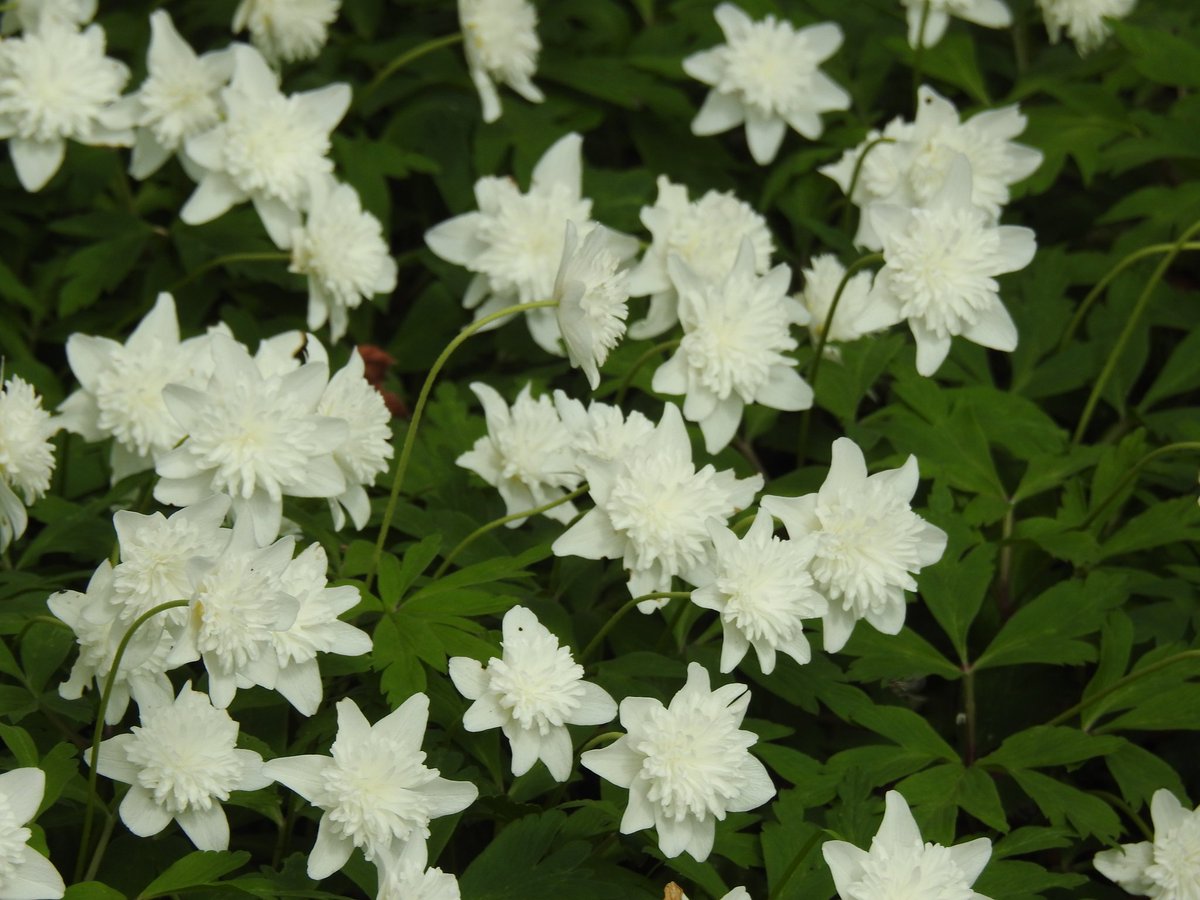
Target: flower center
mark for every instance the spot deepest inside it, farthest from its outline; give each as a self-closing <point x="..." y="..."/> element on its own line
<point x="236" y="609"/>
<point x="917" y="873"/>
<point x="538" y="681"/>
<point x="26" y="456"/>
<point x="767" y="589"/>
<point x="180" y="101"/>
<point x="709" y="232"/>
<point x="13" y="837"/>
<point x="129" y="395"/>
<point x="273" y="148"/>
<point x="1176" y="866"/>
<point x="770" y="65"/>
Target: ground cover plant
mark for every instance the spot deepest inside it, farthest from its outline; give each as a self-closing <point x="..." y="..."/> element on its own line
<point x="600" y="449"/>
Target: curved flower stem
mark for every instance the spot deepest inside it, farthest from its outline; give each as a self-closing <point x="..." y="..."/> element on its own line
<point x="419" y="408"/>
<point x="1094" y="294"/>
<point x="857" y="174"/>
<point x="266" y="256"/>
<point x="1120" y="683"/>
<point x="1130" y="812"/>
<point x="600" y="739"/>
<point x="98" y="732"/>
<point x="970" y="713"/>
<point x="1139" y="307"/>
<point x="919" y="50"/>
<point x="1132" y="474"/>
<point x="627" y="380"/>
<point x="101" y="845"/>
<point x="504" y="520"/>
<point x="815" y="367"/>
<point x="412" y="56"/>
<point x="801" y="855"/>
<point x="622" y="612"/>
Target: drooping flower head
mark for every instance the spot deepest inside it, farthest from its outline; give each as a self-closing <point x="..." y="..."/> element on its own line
<point x="181" y="763"/>
<point x="531" y="692"/>
<point x="901" y="864"/>
<point x="1167" y="868"/>
<point x="501" y="43"/>
<point x="26" y="455"/>
<point x="374" y="788"/>
<point x="735" y="334"/>
<point x="766" y="75"/>
<point x="686" y="765"/>
<point x="286" y="30"/>
<point x="1083" y="21"/>
<point x="868" y="541"/>
<point x="927" y="28"/>
<point x="23" y="871"/>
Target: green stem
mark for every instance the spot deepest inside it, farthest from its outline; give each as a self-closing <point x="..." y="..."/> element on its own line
<point x="1139" y="307"/>
<point x="504" y="520"/>
<point x="970" y="711"/>
<point x="412" y="56"/>
<point x="800" y="856"/>
<point x="1120" y="683"/>
<point x="623" y="389"/>
<point x="919" y="50"/>
<point x="98" y="732"/>
<point x="622" y="612"/>
<point x="1132" y="474"/>
<point x="419" y="408"/>
<point x="856" y="175"/>
<point x="1094" y="294"/>
<point x="600" y="739"/>
<point x="101" y="845"/>
<point x="227" y="259"/>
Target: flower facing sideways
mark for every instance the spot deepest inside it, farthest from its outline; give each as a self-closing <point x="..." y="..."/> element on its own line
<point x="869" y="542"/>
<point x="24" y="873"/>
<point x="501" y="43"/>
<point x="26" y="455"/>
<point x="1167" y="868"/>
<point x="286" y="30"/>
<point x="821" y="280"/>
<point x="901" y="864"/>
<point x="532" y="692"/>
<point x="1083" y="21"/>
<point x="375" y="790"/>
<point x="927" y="28"/>
<point x="686" y="764"/>
<point x="181" y="763"/>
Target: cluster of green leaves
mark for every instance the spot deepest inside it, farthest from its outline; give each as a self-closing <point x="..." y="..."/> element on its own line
<point x="1048" y="679"/>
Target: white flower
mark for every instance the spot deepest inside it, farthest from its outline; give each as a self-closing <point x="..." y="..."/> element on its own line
<point x="989" y="13"/>
<point x="652" y="509"/>
<point x="532" y="692"/>
<point x="761" y="588"/>
<point x="1083" y="20"/>
<point x="735" y="334"/>
<point x="24" y="873"/>
<point x="375" y="789"/>
<point x="514" y="242"/>
<point x="738" y="893"/>
<point x="592" y="289"/>
<point x="317" y="629"/>
<point x="1167" y="868"/>
<point x="706" y="234"/>
<point x="179" y="98"/>
<point x="900" y="864"/>
<point x="121" y="387"/>
<point x="940" y="268"/>
<point x="601" y="431"/>
<point x="26" y="455"/>
<point x="685" y="765"/>
<point x="527" y="454"/>
<point x="254" y="438"/>
<point x="411" y="883"/>
<point x="181" y="763"/>
<point x="342" y="251"/>
<point x="286" y="30"/>
<point x="821" y="280"/>
<point x="286" y="352"/>
<point x="270" y="149"/>
<point x="57" y="84"/>
<point x="93" y="618"/>
<point x="28" y="15"/>
<point x="501" y="43"/>
<point x="364" y="455"/>
<point x="766" y="75"/>
<point x="869" y="542"/>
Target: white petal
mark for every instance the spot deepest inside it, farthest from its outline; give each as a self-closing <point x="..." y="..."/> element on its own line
<point x="932" y="350"/>
<point x="557" y="753"/>
<point x="330" y="852"/>
<point x="303" y="774"/>
<point x="845" y="862"/>
<point x="457" y="240"/>
<point x="207" y="828"/>
<point x="468" y="676"/>
<point x="485" y="713"/>
<point x="1166" y="811"/>
<point x="562" y="165"/>
<point x="785" y="389"/>
<point x="994" y="328"/>
<point x="764" y="134"/>
<point x="706" y="66"/>
<point x="971" y="857"/>
<point x="838" y="625"/>
<point x="327" y="105"/>
<point x="36" y="161"/>
<point x="898" y="831"/>
<point x="213" y="197"/>
<point x="596" y="706"/>
<point x="989" y="13"/>
<point x="617" y="763"/>
<point x="592" y="537"/>
<point x="720" y="425"/>
<point x="23" y="788"/>
<point x="33" y="878"/>
<point x="300" y="685"/>
<point x="448" y="797"/>
<point x="113" y="762"/>
<point x="141" y="814"/>
<point x="719" y="113"/>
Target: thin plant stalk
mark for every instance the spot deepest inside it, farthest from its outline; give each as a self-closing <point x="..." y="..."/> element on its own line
<point x="1132" y="474"/>
<point x="919" y="50"/>
<point x="227" y="259"/>
<point x="616" y="617"/>
<point x="641" y="361"/>
<point x="856" y="175"/>
<point x="1083" y="704"/>
<point x="411" y="56"/>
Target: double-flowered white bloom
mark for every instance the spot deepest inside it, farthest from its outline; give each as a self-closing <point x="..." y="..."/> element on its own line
<point x="24" y="873"/>
<point x="270" y="148"/>
<point x="901" y="864"/>
<point x="341" y="250"/>
<point x="532" y="692"/>
<point x="180" y="97"/>
<point x="735" y="334"/>
<point x="927" y="28"/>
<point x="686" y="764"/>
<point x="600" y="431"/>
<point x="940" y="268"/>
<point x="121" y="387"/>
<point x="869" y="542"/>
<point x="26" y="455"/>
<point x="181" y="763"/>
<point x="528" y="455"/>
<point x="56" y="85"/>
<point x="375" y="790"/>
<point x="28" y="15"/>
<point x="761" y="588"/>
<point x="1083" y="21"/>
<point x="287" y="30"/>
<point x="766" y="75"/>
<point x="411" y="883"/>
<point x="252" y="437"/>
<point x="706" y="234"/>
<point x="821" y="280"/>
<point x="514" y="241"/>
<point x="653" y="508"/>
<point x="501" y="43"/>
<point x="1167" y="868"/>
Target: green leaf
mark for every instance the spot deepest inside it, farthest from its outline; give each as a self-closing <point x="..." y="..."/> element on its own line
<point x="1166" y="522"/>
<point x="1177" y="709"/>
<point x="1139" y="773"/>
<point x="1180" y="374"/>
<point x="977" y="795"/>
<point x="400" y="574"/>
<point x="1012" y="879"/>
<point x="898" y="657"/>
<point x="954" y="589"/>
<point x="1062" y="804"/>
<point x="906" y="728"/>
<point x="1046" y="745"/>
<point x="197" y="869"/>
<point x="21" y="744"/>
<point x="1161" y="56"/>
<point x="92" y="890"/>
